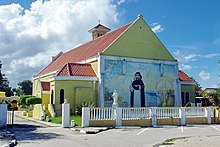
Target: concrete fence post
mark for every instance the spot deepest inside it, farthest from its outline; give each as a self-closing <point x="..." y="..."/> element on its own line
<point x="182" y="115"/>
<point x="153" y="111"/>
<point x="3" y="114"/>
<point x="65" y="115"/>
<point x="118" y="116"/>
<point x="208" y="115"/>
<point x="85" y="116"/>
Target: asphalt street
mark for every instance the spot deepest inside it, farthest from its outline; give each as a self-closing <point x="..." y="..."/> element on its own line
<point x="32" y="134"/>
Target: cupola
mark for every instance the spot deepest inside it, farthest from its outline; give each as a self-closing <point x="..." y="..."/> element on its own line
<point x="98" y="31"/>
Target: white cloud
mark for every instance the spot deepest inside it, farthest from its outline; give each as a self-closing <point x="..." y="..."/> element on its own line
<point x="211" y="55"/>
<point x="188" y="47"/>
<point x="157" y="28"/>
<point x="121" y="2"/>
<point x="185" y="67"/>
<point x="28" y="38"/>
<point x="205" y="76"/>
<point x="185" y="58"/>
<point x="181" y="57"/>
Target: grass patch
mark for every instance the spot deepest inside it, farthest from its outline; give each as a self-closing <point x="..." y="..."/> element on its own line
<point x="169" y="141"/>
<point x="58" y="120"/>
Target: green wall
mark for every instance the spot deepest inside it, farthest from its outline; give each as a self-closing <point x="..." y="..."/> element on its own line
<point x="139" y="41"/>
<point x="191" y="89"/>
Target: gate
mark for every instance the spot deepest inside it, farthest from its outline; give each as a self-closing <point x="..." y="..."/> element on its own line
<point x="10" y="118"/>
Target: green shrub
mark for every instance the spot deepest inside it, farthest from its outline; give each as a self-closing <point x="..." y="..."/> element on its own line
<point x="33" y="100"/>
<point x="22" y="99"/>
<point x="84" y="104"/>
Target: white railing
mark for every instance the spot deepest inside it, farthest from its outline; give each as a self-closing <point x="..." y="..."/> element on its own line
<point x="195" y="112"/>
<point x="153" y="113"/>
<point x="102" y="114"/>
<point x="167" y="112"/>
<point x="135" y="113"/>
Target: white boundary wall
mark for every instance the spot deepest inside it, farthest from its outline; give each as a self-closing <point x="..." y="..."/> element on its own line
<point x="153" y="113"/>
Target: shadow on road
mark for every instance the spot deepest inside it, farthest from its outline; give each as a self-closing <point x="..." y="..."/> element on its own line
<point x="29" y="133"/>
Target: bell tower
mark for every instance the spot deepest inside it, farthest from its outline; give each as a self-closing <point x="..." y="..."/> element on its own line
<point x="98" y="31"/>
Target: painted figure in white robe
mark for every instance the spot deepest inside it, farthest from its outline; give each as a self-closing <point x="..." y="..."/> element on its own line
<point x="137" y="97"/>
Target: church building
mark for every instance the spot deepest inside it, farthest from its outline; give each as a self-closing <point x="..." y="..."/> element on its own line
<point x="131" y="60"/>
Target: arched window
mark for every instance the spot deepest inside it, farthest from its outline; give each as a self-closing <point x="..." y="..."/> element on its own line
<point x="187" y="97"/>
<point x="51" y="97"/>
<point x="61" y="96"/>
<point x="183" y="98"/>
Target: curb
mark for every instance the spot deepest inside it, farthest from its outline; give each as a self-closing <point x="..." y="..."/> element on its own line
<point x="128" y="127"/>
<point x="90" y="130"/>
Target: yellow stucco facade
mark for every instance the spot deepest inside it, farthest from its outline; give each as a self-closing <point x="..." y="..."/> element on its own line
<point x="75" y="92"/>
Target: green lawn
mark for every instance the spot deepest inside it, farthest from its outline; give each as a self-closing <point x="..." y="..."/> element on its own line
<point x="58" y="120"/>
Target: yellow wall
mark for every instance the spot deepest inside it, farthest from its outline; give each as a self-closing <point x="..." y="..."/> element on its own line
<point x="46" y="98"/>
<point x="2" y="94"/>
<point x="38" y="111"/>
<point x="37" y="86"/>
<point x="198" y="120"/>
<point x="51" y="111"/>
<point x="169" y="121"/>
<point x="37" y="89"/>
<point x="95" y="66"/>
<point x="75" y="92"/>
<point x="102" y="123"/>
<point x="191" y="89"/>
<point x="139" y="122"/>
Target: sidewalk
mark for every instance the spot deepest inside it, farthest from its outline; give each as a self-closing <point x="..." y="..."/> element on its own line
<point x="87" y="130"/>
<point x="49" y="124"/>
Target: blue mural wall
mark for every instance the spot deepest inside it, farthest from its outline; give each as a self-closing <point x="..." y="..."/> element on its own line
<point x="139" y="84"/>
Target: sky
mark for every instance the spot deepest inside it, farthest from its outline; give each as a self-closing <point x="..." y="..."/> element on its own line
<point x="32" y="31"/>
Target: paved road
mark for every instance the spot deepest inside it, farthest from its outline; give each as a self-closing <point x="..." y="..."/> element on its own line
<point x="36" y="135"/>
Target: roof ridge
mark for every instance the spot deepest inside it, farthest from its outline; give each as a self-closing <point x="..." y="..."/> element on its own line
<point x="68" y="69"/>
<point x="58" y="72"/>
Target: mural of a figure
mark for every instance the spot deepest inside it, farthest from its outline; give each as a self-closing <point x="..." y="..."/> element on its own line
<point x="137" y="97"/>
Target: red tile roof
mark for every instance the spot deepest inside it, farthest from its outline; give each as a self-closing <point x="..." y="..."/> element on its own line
<point x="45" y="86"/>
<point x="184" y="77"/>
<point x="85" y="51"/>
<point x="75" y="69"/>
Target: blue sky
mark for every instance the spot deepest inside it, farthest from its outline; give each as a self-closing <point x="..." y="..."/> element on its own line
<point x="190" y="29"/>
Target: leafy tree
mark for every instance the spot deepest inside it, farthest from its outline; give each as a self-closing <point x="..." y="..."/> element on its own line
<point x="25" y="87"/>
<point x="4" y="83"/>
<point x="18" y="91"/>
<point x="197" y="87"/>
